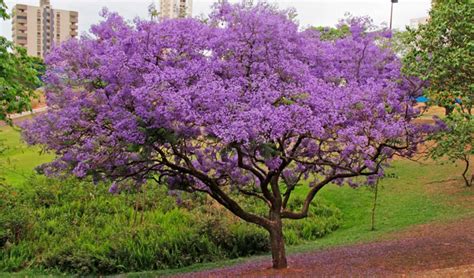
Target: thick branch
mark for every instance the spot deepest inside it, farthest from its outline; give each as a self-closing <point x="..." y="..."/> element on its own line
<point x="290" y="188"/>
<point x="263" y="181"/>
<point x="309" y="198"/>
<point x="216" y="193"/>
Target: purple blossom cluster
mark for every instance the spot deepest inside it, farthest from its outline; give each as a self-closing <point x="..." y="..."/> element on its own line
<point x="245" y="101"/>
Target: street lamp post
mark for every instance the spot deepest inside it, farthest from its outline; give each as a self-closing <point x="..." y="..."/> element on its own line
<point x="391" y="12"/>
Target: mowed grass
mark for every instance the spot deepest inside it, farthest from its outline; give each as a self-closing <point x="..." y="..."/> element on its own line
<point x="415" y="193"/>
<point x="18" y="160"/>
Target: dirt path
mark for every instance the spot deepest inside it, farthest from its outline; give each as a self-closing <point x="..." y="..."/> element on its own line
<point x="431" y="250"/>
<point x="18" y="118"/>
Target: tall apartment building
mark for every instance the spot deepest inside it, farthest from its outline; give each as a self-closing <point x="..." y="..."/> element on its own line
<point x="39" y="28"/>
<point x="175" y="8"/>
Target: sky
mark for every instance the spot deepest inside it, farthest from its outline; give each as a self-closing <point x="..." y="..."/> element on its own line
<point x="310" y="12"/>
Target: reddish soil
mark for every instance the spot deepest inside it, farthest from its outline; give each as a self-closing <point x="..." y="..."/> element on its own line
<point x="430" y="250"/>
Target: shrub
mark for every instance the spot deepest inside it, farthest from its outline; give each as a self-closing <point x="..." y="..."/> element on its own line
<point x="77" y="227"/>
<point x="322" y="219"/>
<point x="234" y="237"/>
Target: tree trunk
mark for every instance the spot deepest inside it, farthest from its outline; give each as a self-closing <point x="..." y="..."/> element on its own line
<point x="464" y="174"/>
<point x="448" y="110"/>
<point x="277" y="242"/>
<point x="376" y="190"/>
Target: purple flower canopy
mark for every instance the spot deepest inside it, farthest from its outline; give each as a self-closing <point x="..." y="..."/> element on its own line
<point x="233" y="102"/>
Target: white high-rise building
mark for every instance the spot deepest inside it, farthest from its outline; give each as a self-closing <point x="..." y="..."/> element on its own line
<point x="39" y="28"/>
<point x="176" y="8"/>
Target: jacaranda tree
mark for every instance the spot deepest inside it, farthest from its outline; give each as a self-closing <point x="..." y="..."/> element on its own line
<point x="244" y="106"/>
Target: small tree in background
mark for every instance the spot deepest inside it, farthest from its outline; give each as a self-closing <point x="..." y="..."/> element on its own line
<point x="330" y="33"/>
<point x="19" y="76"/>
<point x="441" y="53"/>
<point x="456" y="143"/>
<point x="153" y="11"/>
<point x="241" y="107"/>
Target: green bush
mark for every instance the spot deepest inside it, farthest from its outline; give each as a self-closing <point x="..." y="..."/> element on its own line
<point x="15" y="224"/>
<point x="77" y="227"/>
<point x="234" y="237"/>
<point x="322" y="220"/>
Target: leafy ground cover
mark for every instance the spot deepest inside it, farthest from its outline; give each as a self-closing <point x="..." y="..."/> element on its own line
<point x="412" y="193"/>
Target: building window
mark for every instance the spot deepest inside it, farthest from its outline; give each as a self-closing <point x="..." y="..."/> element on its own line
<point x="21" y="17"/>
<point x="21" y="37"/>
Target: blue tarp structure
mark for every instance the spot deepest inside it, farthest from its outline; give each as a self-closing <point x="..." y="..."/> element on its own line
<point x="422" y="99"/>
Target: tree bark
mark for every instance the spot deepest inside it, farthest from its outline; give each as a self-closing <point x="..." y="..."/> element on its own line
<point x="448" y="110"/>
<point x="376" y="190"/>
<point x="277" y="242"/>
<point x="464" y="174"/>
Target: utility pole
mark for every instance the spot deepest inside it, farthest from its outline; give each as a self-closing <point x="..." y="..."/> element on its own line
<point x="391" y="12"/>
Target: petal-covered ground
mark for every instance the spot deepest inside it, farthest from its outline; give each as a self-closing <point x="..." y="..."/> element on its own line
<point x="431" y="250"/>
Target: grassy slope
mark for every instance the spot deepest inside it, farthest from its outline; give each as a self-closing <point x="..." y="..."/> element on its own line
<point x="18" y="161"/>
<point x="412" y="198"/>
<point x="403" y="201"/>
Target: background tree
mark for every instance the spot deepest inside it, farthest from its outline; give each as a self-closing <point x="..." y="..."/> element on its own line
<point x="3" y="10"/>
<point x="243" y="107"/>
<point x="441" y="54"/>
<point x="456" y="143"/>
<point x="330" y="33"/>
<point x="399" y="42"/>
<point x="19" y="75"/>
<point x="153" y="11"/>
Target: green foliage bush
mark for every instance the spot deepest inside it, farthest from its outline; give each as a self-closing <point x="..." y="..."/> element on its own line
<point x="322" y="220"/>
<point x="77" y="227"/>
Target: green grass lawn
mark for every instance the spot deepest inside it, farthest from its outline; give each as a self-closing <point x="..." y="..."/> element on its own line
<point x="416" y="195"/>
<point x="18" y="160"/>
<point x="402" y="202"/>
